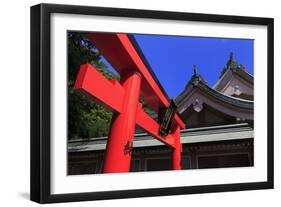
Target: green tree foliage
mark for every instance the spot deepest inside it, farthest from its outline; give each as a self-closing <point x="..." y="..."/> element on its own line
<point x="85" y="118"/>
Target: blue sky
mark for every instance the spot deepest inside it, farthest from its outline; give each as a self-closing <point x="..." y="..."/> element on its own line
<point x="172" y="58"/>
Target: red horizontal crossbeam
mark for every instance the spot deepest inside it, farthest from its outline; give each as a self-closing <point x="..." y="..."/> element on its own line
<point x="152" y="127"/>
<point x="121" y="54"/>
<point x="110" y="94"/>
<point x="107" y="93"/>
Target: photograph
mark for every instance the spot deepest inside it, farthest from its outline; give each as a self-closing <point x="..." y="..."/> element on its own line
<point x="208" y="83"/>
<point x="130" y="103"/>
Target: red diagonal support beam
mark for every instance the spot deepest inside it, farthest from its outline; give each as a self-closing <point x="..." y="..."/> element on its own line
<point x="110" y="95"/>
<point x="121" y="54"/>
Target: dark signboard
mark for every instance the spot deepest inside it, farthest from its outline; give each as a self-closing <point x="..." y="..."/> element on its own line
<point x="166" y="117"/>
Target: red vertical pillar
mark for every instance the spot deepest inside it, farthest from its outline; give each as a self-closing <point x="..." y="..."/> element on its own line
<point x="120" y="141"/>
<point x="176" y="152"/>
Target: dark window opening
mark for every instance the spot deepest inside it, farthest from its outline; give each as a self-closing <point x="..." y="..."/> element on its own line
<point x="185" y="162"/>
<point x="135" y="166"/>
<point x="82" y="168"/>
<point x="239" y="160"/>
<point x="158" y="164"/>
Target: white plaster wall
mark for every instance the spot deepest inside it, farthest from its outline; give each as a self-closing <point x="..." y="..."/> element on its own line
<point x="243" y="87"/>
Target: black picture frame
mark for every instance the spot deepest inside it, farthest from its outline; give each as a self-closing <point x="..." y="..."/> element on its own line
<point x="40" y="102"/>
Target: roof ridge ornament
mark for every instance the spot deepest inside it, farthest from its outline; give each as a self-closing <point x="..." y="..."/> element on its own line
<point x="194" y="71"/>
<point x="231" y="56"/>
<point x="232" y="63"/>
<point x="196" y="78"/>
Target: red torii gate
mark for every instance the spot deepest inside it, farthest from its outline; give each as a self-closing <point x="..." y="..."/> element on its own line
<point x="123" y="99"/>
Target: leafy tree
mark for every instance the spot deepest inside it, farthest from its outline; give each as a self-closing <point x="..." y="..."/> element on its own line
<point x="85" y="118"/>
